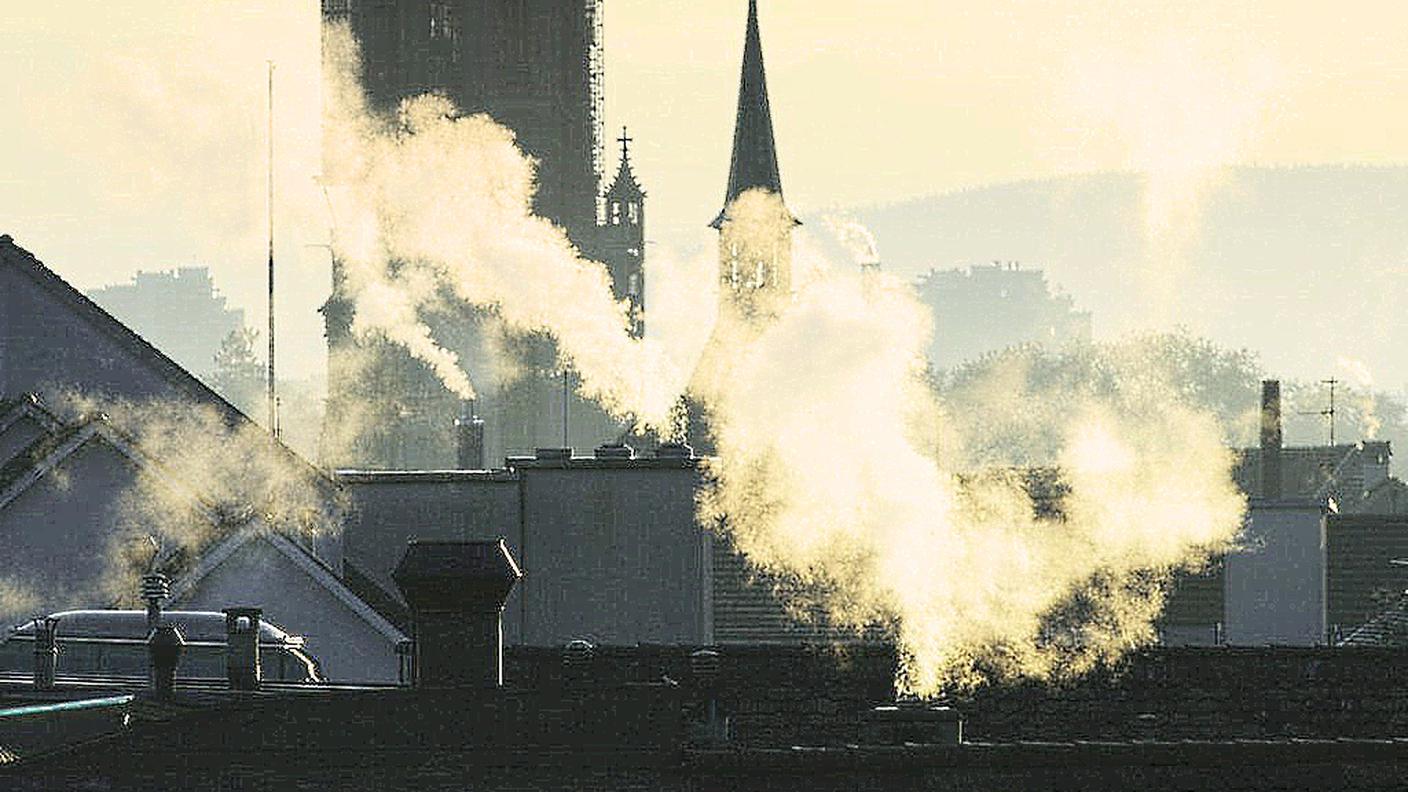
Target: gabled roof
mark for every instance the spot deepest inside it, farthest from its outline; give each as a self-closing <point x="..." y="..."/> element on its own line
<point x="27" y="405"/>
<point x="49" y="451"/>
<point x="300" y="557"/>
<point x="754" y="161"/>
<point x="21" y="260"/>
<point x="1308" y="472"/>
<point x="25" y="262"/>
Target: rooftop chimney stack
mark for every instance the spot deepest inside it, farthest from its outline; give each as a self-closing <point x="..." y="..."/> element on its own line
<point x="457" y="591"/>
<point x="164" y="646"/>
<point x="46" y="652"/>
<point x="469" y="439"/>
<point x="242" y="647"/>
<point x="1271" y="439"/>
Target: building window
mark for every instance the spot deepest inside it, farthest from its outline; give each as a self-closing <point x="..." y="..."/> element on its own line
<point x="439" y="20"/>
<point x="634" y="212"/>
<point x="615" y="213"/>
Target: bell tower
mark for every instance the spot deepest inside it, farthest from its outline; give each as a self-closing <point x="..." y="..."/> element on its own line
<point x="755" y="226"/>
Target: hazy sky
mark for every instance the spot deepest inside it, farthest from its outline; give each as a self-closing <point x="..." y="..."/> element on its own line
<point x="133" y="131"/>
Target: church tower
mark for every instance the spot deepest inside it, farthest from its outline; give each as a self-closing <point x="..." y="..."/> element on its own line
<point x="755" y="226"/>
<point x="623" y="237"/>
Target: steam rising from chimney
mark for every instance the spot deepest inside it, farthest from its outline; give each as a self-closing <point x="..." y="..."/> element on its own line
<point x="435" y="205"/>
<point x="836" y="464"/>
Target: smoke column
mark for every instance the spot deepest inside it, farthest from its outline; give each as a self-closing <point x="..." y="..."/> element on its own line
<point x="430" y="204"/>
<point x="837" y="467"/>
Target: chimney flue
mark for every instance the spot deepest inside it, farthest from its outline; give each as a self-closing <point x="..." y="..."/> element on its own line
<point x="242" y="647"/>
<point x="156" y="589"/>
<point x="164" y="646"/>
<point x="1270" y="439"/>
<point x="457" y="591"/>
<point x="469" y="439"/>
<point x="46" y="652"/>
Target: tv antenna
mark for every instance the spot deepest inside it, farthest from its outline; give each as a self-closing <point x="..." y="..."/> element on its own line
<point x="1328" y="413"/>
<point x="273" y="398"/>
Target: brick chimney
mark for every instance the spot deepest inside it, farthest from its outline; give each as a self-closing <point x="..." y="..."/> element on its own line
<point x="242" y="647"/>
<point x="456" y="591"/>
<point x="1270" y="439"/>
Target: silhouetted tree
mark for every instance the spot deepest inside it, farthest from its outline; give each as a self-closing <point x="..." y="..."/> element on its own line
<point x="239" y="373"/>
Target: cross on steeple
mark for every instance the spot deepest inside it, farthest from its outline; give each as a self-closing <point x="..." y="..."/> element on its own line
<point x="625" y="141"/>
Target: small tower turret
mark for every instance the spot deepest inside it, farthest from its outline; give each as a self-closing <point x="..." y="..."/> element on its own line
<point x="623" y="237"/>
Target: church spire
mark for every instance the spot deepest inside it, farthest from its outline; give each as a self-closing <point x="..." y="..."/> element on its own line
<point x="754" y="163"/>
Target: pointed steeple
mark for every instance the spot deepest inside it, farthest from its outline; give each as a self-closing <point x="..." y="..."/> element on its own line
<point x="754" y="163"/>
<point x="625" y="187"/>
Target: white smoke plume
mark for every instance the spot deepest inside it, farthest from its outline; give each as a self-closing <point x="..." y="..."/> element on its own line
<point x="432" y="204"/>
<point x="1361" y="395"/>
<point x="856" y="238"/>
<point x="836" y="465"/>
<point x="203" y="477"/>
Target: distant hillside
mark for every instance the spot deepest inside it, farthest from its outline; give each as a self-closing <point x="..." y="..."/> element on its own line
<point x="1304" y="265"/>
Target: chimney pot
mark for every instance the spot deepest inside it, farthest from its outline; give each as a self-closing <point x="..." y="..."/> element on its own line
<point x="46" y="652"/>
<point x="156" y="589"/>
<point x="242" y="647"/>
<point x="674" y="451"/>
<point x="577" y="657"/>
<point x="469" y="440"/>
<point x="456" y="592"/>
<point x="164" y="646"/>
<point x="615" y="451"/>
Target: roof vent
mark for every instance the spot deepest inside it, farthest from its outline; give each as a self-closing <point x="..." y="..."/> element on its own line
<point x="615" y="451"/>
<point x="553" y="454"/>
<point x="674" y="451"/>
<point x="913" y="723"/>
<point x="577" y="657"/>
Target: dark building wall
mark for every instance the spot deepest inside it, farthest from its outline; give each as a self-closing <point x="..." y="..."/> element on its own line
<point x="816" y="695"/>
<point x="613" y="555"/>
<point x="59" y="532"/>
<point x="1362" y="583"/>
<point x="389" y="510"/>
<point x="18" y="436"/>
<point x="610" y="549"/>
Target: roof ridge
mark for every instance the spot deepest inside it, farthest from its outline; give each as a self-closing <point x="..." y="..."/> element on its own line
<point x="170" y="370"/>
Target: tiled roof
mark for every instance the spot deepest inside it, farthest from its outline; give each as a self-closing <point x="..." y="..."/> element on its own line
<point x="1308" y="472"/>
<point x="1389" y="629"/>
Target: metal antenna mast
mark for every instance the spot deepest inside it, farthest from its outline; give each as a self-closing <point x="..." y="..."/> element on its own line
<point x="1329" y="413"/>
<point x="273" y="398"/>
